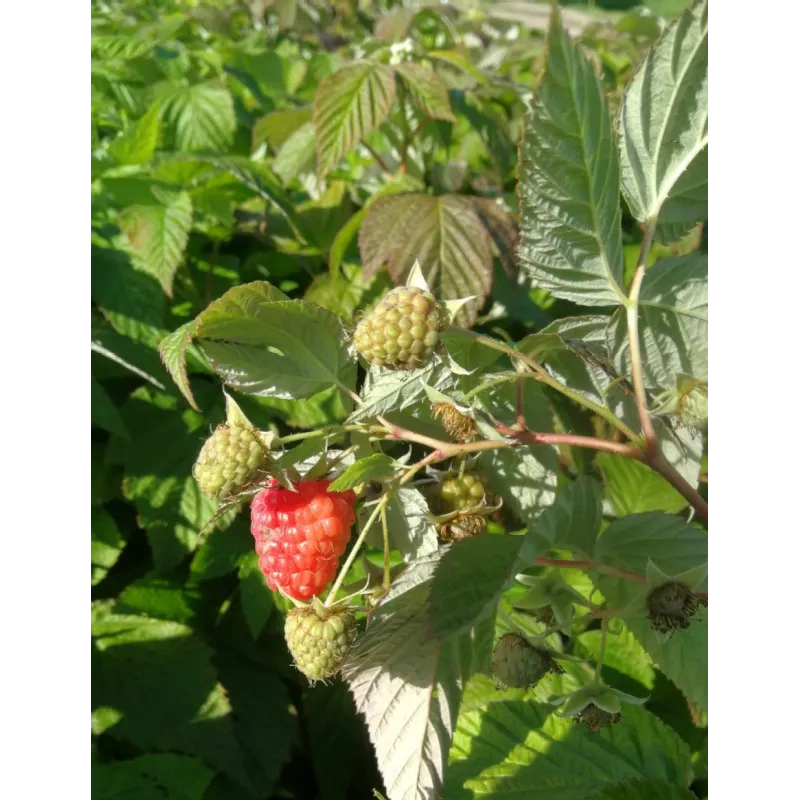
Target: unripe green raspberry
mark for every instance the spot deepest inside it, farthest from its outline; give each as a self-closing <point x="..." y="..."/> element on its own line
<point x="319" y="642"/>
<point x="671" y="606"/>
<point x="460" y="493"/>
<point x="232" y="459"/>
<point x="402" y="331"/>
<point x="595" y="718"/>
<point x="518" y="664"/>
<point x="458" y="425"/>
<point x="693" y="407"/>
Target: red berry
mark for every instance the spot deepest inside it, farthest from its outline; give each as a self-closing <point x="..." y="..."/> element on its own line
<point x="301" y="535"/>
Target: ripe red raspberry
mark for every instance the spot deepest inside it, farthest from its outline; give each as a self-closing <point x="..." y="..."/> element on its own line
<point x="301" y="535"/>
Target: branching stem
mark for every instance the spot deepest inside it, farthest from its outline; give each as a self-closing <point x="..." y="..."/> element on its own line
<point x="543" y="376"/>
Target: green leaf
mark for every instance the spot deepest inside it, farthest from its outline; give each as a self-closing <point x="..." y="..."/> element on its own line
<point x="159" y="598"/>
<point x="371" y="468"/>
<point x="457" y="600"/>
<point x="172" y="350"/>
<point x="460" y="61"/>
<point x="683" y="658"/>
<point x="277" y="127"/>
<point x="622" y="653"/>
<point x="221" y="552"/>
<point x="131" y="300"/>
<point x="673" y="322"/>
<point x="348" y="106"/>
<point x="202" y="116"/>
<point x="158" y="479"/>
<point x="265" y="722"/>
<point x="338" y="751"/>
<point x="160" y="677"/>
<point x="105" y="414"/>
<point x="408" y="687"/>
<point x="427" y="91"/>
<point x="257" y="602"/>
<point x="644" y="788"/>
<point x="664" y="126"/>
<point x="152" y="777"/>
<point x="634" y="488"/>
<point x="269" y="347"/>
<point x="158" y="233"/>
<point x="672" y="544"/>
<point x="348" y="292"/>
<point x="297" y="154"/>
<point x="569" y="182"/>
<point x="107" y="544"/>
<point x="343" y="239"/>
<point x="410" y="529"/>
<point x="573" y="521"/>
<point x="393" y="390"/>
<point x="137" y="143"/>
<point x="553" y="757"/>
<point x="445" y="234"/>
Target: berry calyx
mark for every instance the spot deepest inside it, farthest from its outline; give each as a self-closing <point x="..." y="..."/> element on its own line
<point x="671" y="606"/>
<point x="693" y="406"/>
<point x="595" y="718"/>
<point x="300" y="535"/>
<point x="402" y="331"/>
<point x="457" y="425"/>
<point x="518" y="664"/>
<point x="231" y="460"/>
<point x="319" y="640"/>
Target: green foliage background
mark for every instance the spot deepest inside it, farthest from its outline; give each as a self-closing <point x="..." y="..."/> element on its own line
<point x="236" y="142"/>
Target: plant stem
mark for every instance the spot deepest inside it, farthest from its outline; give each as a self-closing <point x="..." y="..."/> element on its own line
<point x="601" y="655"/>
<point x="354" y="552"/>
<point x="326" y="431"/>
<point x="573" y="440"/>
<point x="387" y="565"/>
<point x="637" y="371"/>
<point x="544" y="377"/>
<point x="381" y="163"/>
<point x="379" y="508"/>
<point x="651" y="453"/>
<point x="591" y="566"/>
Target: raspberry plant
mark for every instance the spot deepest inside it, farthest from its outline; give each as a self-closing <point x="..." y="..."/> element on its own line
<point x="471" y="456"/>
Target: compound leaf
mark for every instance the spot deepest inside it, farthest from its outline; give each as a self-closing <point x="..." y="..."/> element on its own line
<point x="267" y="346"/>
<point x="554" y="757"/>
<point x="348" y="106"/>
<point x="158" y="233"/>
<point x="409" y="687"/>
<point x="664" y="127"/>
<point x="457" y="600"/>
<point x="427" y="91"/>
<point x="569" y="183"/>
<point x="446" y="234"/>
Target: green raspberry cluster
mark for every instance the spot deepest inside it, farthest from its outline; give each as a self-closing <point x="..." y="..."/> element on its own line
<point x="319" y="642"/>
<point x="517" y="664"/>
<point x="461" y="493"/>
<point x="402" y="331"/>
<point x="232" y="459"/>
